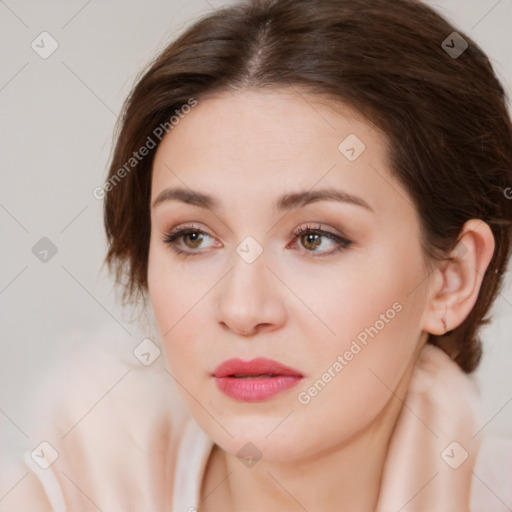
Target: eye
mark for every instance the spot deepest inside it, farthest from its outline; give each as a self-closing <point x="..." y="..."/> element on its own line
<point x="312" y="238"/>
<point x="186" y="239"/>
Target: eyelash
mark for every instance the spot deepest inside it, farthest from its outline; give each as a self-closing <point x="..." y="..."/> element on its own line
<point x="175" y="234"/>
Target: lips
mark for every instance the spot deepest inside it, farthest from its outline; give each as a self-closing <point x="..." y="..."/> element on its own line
<point x="255" y="380"/>
<point x="256" y="367"/>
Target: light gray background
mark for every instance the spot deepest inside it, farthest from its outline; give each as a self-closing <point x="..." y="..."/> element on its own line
<point x="57" y="119"/>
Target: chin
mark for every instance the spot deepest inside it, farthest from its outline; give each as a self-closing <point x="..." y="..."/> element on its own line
<point x="264" y="437"/>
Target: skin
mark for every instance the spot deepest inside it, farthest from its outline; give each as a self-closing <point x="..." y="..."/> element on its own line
<point x="298" y="307"/>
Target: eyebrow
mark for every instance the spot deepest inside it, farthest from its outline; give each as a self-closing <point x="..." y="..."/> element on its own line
<point x="284" y="202"/>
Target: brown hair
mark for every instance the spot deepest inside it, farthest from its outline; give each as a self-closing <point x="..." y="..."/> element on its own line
<point x="445" y="117"/>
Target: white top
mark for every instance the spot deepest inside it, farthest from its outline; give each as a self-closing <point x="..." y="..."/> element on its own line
<point x="119" y="439"/>
<point x="192" y="458"/>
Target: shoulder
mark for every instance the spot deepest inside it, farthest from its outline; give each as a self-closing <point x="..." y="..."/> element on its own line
<point x="110" y="426"/>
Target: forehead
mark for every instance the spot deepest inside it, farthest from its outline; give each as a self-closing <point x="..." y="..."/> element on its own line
<point x="258" y="143"/>
<point x="278" y="120"/>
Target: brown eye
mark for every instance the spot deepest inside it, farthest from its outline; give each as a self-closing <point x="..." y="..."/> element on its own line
<point x="311" y="240"/>
<point x="187" y="240"/>
<point x="315" y="240"/>
<point x="195" y="238"/>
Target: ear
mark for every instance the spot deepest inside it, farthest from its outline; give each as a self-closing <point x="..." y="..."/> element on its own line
<point x="455" y="283"/>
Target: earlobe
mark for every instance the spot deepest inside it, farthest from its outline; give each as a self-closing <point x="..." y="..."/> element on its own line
<point x="456" y="281"/>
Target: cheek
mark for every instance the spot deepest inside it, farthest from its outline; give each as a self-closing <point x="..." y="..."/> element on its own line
<point x="368" y="296"/>
<point x="175" y="295"/>
<point x="356" y="377"/>
<point x="376" y="320"/>
<point x="169" y="286"/>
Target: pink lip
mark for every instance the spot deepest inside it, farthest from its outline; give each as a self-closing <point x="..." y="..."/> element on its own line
<point x="255" y="380"/>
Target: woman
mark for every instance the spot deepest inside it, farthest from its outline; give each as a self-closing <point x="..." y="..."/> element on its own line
<point x="312" y="198"/>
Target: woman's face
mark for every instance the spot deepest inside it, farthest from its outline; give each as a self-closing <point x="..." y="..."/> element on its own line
<point x="340" y="304"/>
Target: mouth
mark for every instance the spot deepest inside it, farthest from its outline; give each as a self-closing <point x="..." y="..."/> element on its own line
<point x="255" y="376"/>
<point x="255" y="380"/>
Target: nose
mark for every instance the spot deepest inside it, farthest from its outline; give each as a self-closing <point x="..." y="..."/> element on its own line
<point x="249" y="299"/>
